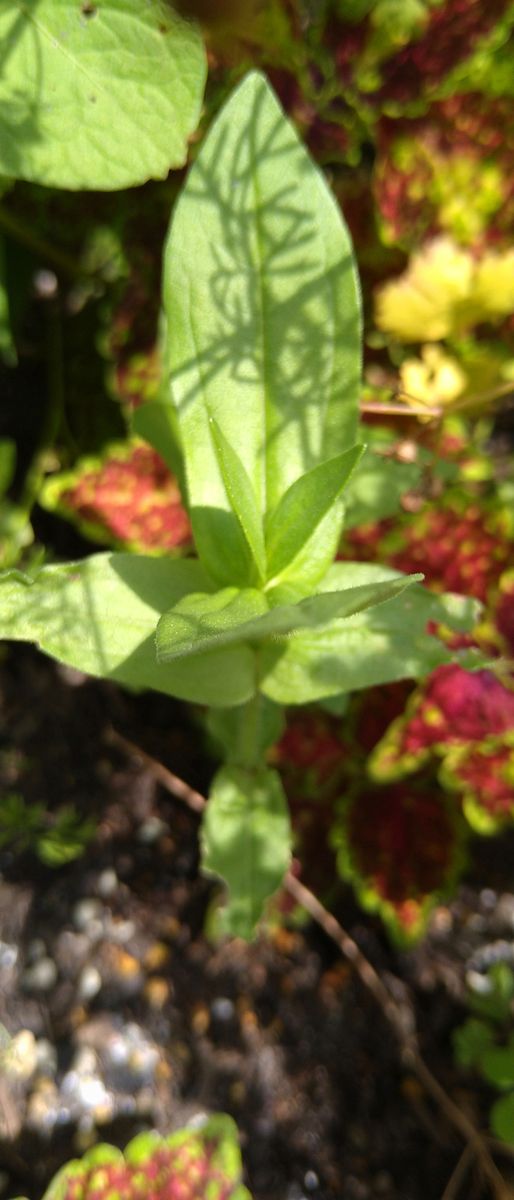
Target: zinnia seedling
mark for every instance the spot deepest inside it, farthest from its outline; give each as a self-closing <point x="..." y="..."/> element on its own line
<point x="263" y="354"/>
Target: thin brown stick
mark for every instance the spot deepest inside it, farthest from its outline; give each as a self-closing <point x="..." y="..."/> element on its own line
<point x="399" y="410"/>
<point x="173" y="784"/>
<point x="397" y="1015"/>
<point x="458" y="1175"/>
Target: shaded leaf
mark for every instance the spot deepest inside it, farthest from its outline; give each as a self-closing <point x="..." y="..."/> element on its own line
<point x="199" y="622"/>
<point x="246" y="840"/>
<point x="497" y="1064"/>
<point x="502" y="1119"/>
<point x="381" y="645"/>
<point x="99" y="615"/>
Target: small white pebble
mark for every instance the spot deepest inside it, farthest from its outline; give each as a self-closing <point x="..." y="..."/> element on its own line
<point x="46" y="284"/>
<point x="46" y="1057"/>
<point x="107" y="882"/>
<point x="311" y="1181"/>
<point x="20" y="1059"/>
<point x="8" y="955"/>
<point x="488" y="898"/>
<point x="478" y="983"/>
<point x="222" y="1009"/>
<point x="89" y="983"/>
<point x="151" y="829"/>
<point x="87" y="916"/>
<point x="42" y="977"/>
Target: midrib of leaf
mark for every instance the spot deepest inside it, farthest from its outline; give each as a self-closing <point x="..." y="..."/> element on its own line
<point x="56" y="44"/>
<point x="203" y="383"/>
<point x="263" y="305"/>
<point x="251" y="871"/>
<point x="330" y="391"/>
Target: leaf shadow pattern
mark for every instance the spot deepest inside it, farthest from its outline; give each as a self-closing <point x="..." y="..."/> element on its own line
<point x="20" y="112"/>
<point x="263" y="305"/>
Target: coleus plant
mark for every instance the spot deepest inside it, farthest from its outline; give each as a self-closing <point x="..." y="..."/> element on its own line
<point x="262" y="351"/>
<point x="191" y="1164"/>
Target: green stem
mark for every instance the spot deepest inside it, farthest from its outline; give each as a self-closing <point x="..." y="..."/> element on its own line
<point x="248" y="750"/>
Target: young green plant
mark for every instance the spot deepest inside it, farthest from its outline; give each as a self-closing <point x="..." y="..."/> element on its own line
<point x="263" y="356"/>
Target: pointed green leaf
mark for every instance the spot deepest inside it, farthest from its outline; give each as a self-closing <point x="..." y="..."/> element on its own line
<point x="99" y="615"/>
<point x="99" y="95"/>
<point x="497" y="1065"/>
<point x="379" y="645"/>
<point x="246" y="840"/>
<point x="201" y="622"/>
<point x="241" y="495"/>
<point x="263" y="313"/>
<point x="502" y="1119"/>
<point x="300" y="511"/>
<point x="376" y="489"/>
<point x="157" y="424"/>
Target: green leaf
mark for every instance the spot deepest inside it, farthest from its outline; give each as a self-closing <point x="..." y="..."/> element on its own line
<point x="98" y="1156"/>
<point x="200" y="622"/>
<point x="242" y="497"/>
<point x="7" y="464"/>
<point x="293" y="526"/>
<point x="263" y="313"/>
<point x="157" y="424"/>
<point x="502" y="1119"/>
<point x="495" y="1002"/>
<point x="100" y="95"/>
<point x="99" y="615"/>
<point x="376" y="489"/>
<point x="497" y="1065"/>
<point x="246" y="840"/>
<point x="380" y="645"/>
<point x="471" y="1040"/>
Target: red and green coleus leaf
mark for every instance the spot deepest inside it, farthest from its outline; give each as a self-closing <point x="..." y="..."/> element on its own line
<point x="459" y="546"/>
<point x="452" y="707"/>
<point x="483" y="774"/>
<point x="124" y="498"/>
<point x="450" y="170"/>
<point x="450" y="35"/>
<point x="189" y="1165"/>
<point x="402" y="848"/>
<point x="503" y="613"/>
<point x="312" y="754"/>
<point x="399" y="56"/>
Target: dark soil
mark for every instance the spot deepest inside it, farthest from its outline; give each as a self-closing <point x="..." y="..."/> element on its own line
<point x="137" y="1020"/>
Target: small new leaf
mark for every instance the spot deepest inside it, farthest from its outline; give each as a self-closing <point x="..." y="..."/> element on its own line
<point x="242" y="497"/>
<point x="199" y="623"/>
<point x="301" y="509"/>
